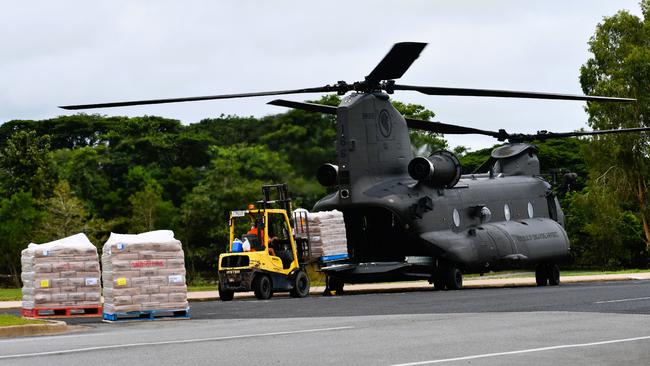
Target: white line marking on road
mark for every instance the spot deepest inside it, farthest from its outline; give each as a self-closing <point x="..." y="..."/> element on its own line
<point x="183" y="341"/>
<point x="523" y="351"/>
<point x="622" y="300"/>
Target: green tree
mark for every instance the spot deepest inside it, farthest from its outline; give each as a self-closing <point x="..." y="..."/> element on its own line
<point x="26" y="165"/>
<point x="19" y="217"/>
<point x="65" y="214"/>
<point x="149" y="210"/>
<point x="620" y="66"/>
<point x="603" y="235"/>
<point x="305" y="138"/>
<point x="85" y="170"/>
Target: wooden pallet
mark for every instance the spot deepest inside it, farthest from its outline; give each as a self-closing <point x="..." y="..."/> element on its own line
<point x="144" y="315"/>
<point x="63" y="312"/>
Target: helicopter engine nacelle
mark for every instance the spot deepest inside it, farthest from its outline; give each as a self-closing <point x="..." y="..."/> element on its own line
<point x="327" y="174"/>
<point x="441" y="169"/>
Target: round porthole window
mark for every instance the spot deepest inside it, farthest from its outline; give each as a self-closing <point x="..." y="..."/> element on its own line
<point x="456" y="217"/>
<point x="506" y="212"/>
<point x="531" y="212"/>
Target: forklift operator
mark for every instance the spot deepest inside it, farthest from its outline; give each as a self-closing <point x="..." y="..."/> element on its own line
<point x="257" y="243"/>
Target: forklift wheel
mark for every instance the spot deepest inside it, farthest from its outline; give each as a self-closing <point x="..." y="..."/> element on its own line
<point x="226" y="295"/>
<point x="300" y="285"/>
<point x="262" y="287"/>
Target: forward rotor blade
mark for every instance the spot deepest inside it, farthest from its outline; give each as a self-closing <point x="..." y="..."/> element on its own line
<point x="544" y="135"/>
<point x="432" y="90"/>
<point x="323" y="89"/>
<point x="437" y="127"/>
<point x="310" y="107"/>
<point x="396" y="62"/>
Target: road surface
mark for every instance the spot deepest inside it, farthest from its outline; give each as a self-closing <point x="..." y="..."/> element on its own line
<point x="575" y="324"/>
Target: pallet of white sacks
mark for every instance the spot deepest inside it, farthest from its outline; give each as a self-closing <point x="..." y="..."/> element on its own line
<point x="147" y="315"/>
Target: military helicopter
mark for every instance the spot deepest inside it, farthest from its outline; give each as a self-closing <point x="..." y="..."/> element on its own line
<point x="417" y="217"/>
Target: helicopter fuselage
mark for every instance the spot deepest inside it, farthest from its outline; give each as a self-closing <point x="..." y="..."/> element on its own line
<point x="480" y="224"/>
<point x="398" y="226"/>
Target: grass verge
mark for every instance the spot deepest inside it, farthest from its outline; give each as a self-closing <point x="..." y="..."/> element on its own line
<point x="203" y="287"/>
<point x="8" y="320"/>
<point x="10" y="294"/>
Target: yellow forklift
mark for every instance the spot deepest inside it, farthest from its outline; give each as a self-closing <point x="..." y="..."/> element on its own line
<point x="263" y="256"/>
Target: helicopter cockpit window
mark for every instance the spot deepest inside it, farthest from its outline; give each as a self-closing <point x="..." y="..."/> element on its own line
<point x="531" y="212"/>
<point x="456" y="217"/>
<point x="506" y="212"/>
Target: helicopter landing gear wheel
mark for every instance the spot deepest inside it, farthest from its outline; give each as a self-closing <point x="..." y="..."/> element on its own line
<point x="553" y="275"/>
<point x="300" y="285"/>
<point x="547" y="274"/>
<point x="438" y="281"/>
<point x="541" y="275"/>
<point x="453" y="278"/>
<point x="262" y="287"/>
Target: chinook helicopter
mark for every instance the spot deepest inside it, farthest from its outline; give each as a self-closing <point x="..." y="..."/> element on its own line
<point x="412" y="217"/>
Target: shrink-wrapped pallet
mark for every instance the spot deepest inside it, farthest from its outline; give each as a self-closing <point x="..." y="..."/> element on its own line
<point x="326" y="232"/>
<point x="143" y="272"/>
<point x="61" y="274"/>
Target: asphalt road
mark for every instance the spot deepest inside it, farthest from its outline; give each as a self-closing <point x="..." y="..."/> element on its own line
<point x="579" y="324"/>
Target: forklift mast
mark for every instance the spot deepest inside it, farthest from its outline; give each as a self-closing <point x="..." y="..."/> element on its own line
<point x="282" y="200"/>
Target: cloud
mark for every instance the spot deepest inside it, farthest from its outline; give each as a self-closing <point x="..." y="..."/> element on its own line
<point x="70" y="52"/>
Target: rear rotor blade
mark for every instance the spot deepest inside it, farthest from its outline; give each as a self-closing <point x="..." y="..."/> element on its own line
<point x="396" y="62"/>
<point x="323" y="89"/>
<point x="545" y="135"/>
<point x="432" y="90"/>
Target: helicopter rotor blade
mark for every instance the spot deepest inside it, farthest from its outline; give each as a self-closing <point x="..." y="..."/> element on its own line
<point x="545" y="135"/>
<point x="446" y="128"/>
<point x="429" y="126"/>
<point x="433" y="90"/>
<point x="310" y="107"/>
<point x="322" y="89"/>
<point x="396" y="61"/>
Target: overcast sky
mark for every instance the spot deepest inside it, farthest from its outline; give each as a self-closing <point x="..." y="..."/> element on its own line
<point x="72" y="52"/>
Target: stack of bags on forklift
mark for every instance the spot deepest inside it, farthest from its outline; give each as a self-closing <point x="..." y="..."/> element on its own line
<point x="143" y="272"/>
<point x="60" y="274"/>
<point x="327" y="233"/>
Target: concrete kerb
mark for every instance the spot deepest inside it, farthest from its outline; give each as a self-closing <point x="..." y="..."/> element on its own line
<point x="423" y="285"/>
<point x="413" y="286"/>
<point x="50" y="327"/>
